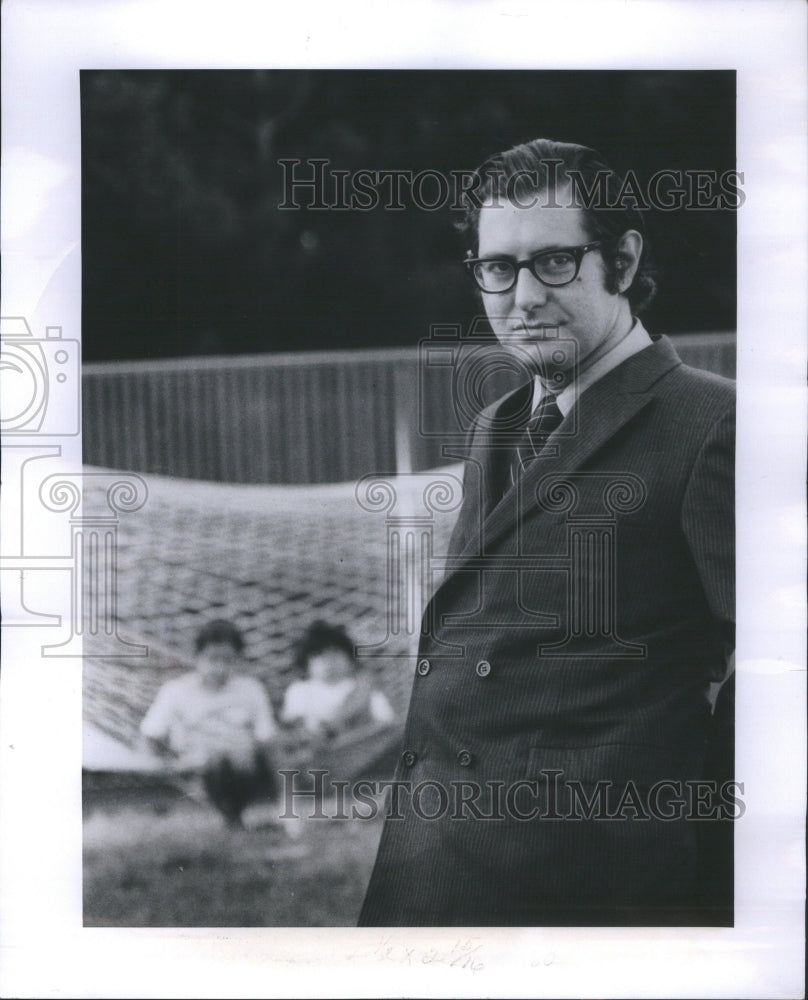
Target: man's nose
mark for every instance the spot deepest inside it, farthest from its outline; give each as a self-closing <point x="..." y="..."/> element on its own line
<point x="528" y="291"/>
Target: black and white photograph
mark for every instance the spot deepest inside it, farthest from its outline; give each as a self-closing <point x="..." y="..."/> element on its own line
<point x="388" y="567"/>
<point x="296" y="347"/>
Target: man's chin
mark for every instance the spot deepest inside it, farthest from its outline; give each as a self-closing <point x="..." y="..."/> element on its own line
<point x="542" y="355"/>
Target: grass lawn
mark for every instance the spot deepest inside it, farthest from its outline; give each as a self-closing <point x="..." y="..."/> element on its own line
<point x="179" y="866"/>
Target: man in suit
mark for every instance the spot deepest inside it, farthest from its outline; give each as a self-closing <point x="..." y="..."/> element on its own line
<point x="560" y="720"/>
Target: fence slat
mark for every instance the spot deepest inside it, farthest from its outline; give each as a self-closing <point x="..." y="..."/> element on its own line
<point x="305" y="418"/>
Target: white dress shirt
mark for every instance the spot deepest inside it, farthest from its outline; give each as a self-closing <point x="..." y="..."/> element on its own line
<point x="636" y="340"/>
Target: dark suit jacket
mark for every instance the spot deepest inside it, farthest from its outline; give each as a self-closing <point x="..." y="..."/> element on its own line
<point x="579" y="623"/>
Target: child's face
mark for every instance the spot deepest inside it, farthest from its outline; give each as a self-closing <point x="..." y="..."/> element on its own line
<point x="330" y="665"/>
<point x="215" y="663"/>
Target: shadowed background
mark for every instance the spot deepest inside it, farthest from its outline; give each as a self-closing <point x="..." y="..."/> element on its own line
<point x="185" y="251"/>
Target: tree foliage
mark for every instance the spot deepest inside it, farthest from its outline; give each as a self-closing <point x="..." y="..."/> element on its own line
<point x="185" y="250"/>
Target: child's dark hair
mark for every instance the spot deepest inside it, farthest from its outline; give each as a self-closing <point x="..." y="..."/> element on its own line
<point x="318" y="637"/>
<point x="219" y="632"/>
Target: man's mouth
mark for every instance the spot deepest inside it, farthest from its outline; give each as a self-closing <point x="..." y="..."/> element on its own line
<point x="535" y="331"/>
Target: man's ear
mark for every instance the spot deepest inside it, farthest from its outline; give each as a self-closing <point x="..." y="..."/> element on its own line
<point x="629" y="250"/>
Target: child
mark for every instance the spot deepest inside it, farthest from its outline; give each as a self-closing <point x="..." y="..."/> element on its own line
<point x="333" y="698"/>
<point x="218" y="723"/>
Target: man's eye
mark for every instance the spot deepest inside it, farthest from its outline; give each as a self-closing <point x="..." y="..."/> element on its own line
<point x="497" y="266"/>
<point x="556" y="261"/>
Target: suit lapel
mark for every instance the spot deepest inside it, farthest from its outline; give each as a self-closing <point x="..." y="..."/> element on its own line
<point x="597" y="416"/>
<point x="498" y="439"/>
<point x="487" y="459"/>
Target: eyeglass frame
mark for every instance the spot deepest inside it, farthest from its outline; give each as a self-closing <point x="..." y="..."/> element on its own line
<point x="578" y="253"/>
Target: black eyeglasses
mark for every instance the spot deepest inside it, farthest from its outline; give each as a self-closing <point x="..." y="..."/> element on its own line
<point x="550" y="267"/>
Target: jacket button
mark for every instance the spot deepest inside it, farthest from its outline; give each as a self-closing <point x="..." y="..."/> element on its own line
<point x="464" y="758"/>
<point x="409" y="757"/>
<point x="483" y="668"/>
<point x="424" y="666"/>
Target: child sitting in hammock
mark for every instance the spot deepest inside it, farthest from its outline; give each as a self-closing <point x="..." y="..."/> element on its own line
<point x="334" y="698"/>
<point x="216" y="722"/>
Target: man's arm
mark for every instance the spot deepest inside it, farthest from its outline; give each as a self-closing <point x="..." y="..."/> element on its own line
<point x="709" y="524"/>
<point x="708" y="521"/>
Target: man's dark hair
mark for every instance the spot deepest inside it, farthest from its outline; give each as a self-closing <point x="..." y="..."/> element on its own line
<point x="219" y="632"/>
<point x="544" y="165"/>
<point x="317" y="638"/>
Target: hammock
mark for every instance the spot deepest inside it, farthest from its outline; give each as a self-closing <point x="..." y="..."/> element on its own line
<point x="271" y="559"/>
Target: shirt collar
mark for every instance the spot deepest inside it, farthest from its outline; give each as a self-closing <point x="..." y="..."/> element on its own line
<point x="636" y="340"/>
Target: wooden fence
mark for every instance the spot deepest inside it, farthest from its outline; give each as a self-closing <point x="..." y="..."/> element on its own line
<point x="301" y="418"/>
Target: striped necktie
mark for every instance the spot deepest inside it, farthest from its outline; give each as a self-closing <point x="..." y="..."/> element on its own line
<point x="543" y="421"/>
